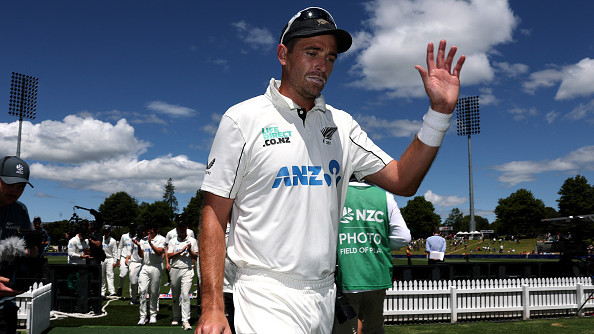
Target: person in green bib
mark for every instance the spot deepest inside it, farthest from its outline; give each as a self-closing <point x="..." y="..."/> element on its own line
<point x="371" y="226"/>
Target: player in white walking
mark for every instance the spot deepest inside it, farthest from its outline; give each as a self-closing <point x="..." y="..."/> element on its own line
<point x="110" y="247"/>
<point x="172" y="235"/>
<point x="149" y="280"/>
<point x="181" y="250"/>
<point x="278" y="169"/>
<point x="134" y="263"/>
<point x="124" y="249"/>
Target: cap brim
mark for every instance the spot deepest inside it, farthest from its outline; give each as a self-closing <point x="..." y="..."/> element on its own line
<point x="15" y="180"/>
<point x="343" y="38"/>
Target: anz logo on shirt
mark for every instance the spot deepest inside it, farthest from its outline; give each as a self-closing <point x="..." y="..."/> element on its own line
<point x="307" y="176"/>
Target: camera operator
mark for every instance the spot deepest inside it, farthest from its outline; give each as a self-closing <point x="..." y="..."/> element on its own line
<point x="14" y="176"/>
<point x="96" y="252"/>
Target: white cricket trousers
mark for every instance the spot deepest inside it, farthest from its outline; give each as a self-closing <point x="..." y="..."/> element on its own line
<point x="134" y="270"/>
<point x="107" y="276"/>
<point x="123" y="271"/>
<point x="149" y="281"/>
<point x="181" y="283"/>
<point x="272" y="303"/>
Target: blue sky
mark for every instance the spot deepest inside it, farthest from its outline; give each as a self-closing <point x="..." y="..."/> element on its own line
<point x="130" y="92"/>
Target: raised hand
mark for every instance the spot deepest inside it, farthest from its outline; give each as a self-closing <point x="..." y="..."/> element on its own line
<point x="442" y="83"/>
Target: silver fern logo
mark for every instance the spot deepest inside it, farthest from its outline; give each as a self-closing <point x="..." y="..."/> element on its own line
<point x="327" y="133"/>
<point x="209" y="166"/>
<point x="347" y="216"/>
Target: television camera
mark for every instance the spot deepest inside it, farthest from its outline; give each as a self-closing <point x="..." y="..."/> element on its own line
<point x="90" y="230"/>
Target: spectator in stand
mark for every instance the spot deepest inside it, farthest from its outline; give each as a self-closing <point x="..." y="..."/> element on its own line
<point x="435" y="246"/>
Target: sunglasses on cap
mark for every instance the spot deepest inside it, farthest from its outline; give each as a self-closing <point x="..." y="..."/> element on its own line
<point x="308" y="14"/>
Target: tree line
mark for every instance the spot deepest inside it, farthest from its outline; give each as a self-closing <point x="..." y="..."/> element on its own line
<point x="519" y="214"/>
<point x="120" y="210"/>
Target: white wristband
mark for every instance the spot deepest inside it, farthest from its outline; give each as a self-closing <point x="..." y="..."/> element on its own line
<point x="435" y="125"/>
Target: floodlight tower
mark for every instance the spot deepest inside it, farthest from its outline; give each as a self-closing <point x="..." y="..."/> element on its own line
<point x="23" y="100"/>
<point x="468" y="123"/>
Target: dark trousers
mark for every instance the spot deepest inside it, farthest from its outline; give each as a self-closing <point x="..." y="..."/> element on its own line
<point x="229" y="310"/>
<point x="8" y="318"/>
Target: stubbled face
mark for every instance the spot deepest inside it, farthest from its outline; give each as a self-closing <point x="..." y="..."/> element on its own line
<point x="308" y="67"/>
<point x="10" y="193"/>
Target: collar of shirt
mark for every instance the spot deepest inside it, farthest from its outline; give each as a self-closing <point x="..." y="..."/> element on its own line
<point x="284" y="102"/>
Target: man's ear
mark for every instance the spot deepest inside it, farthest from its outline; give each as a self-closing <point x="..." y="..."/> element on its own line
<point x="281" y="53"/>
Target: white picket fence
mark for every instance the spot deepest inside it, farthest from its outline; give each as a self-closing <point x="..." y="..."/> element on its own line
<point x="35" y="306"/>
<point x="473" y="300"/>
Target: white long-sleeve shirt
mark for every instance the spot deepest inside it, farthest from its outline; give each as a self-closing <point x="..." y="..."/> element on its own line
<point x="150" y="258"/>
<point x="110" y="247"/>
<point x="125" y="246"/>
<point x="76" y="249"/>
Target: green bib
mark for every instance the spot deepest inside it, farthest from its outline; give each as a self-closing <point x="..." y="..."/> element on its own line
<point x="364" y="257"/>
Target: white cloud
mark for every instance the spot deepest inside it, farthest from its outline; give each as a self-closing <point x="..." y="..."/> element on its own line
<point x="223" y="63"/>
<point x="487" y="97"/>
<point x="581" y="111"/>
<point x="73" y="140"/>
<point x="378" y="128"/>
<point x="575" y="80"/>
<point x="516" y="172"/>
<point x="139" y="178"/>
<point x="211" y="127"/>
<point x="578" y="80"/>
<point x="511" y="70"/>
<point x="170" y="109"/>
<point x="256" y="38"/>
<point x="551" y="116"/>
<point x="444" y="201"/>
<point x="522" y="113"/>
<point x="545" y="78"/>
<point x="90" y="154"/>
<point x="398" y="33"/>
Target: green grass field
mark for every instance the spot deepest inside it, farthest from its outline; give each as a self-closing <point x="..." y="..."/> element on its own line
<point x="549" y="326"/>
<point x="122" y="317"/>
<point x="509" y="247"/>
<point x="120" y="312"/>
